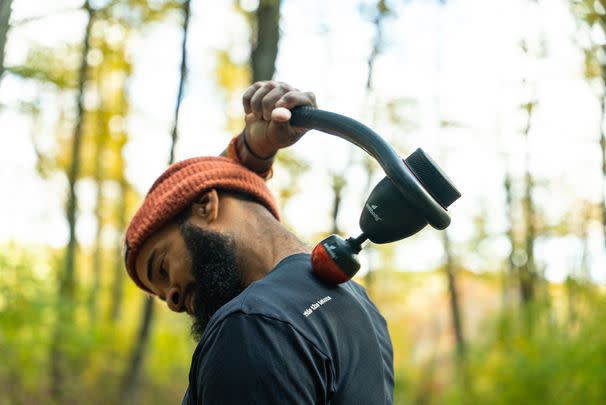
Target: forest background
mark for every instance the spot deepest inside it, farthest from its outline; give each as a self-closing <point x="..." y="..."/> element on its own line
<point x="98" y="96"/>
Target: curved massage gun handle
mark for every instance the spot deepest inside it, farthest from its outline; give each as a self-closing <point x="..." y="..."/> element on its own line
<point x="372" y="143"/>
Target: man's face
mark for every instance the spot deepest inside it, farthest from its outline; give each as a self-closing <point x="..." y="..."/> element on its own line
<point x="192" y="269"/>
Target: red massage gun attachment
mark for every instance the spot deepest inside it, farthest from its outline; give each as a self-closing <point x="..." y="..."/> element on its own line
<point x="325" y="267"/>
<point x="334" y="259"/>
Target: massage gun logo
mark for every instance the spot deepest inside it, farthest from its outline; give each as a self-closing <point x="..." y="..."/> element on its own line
<point x="371" y="209"/>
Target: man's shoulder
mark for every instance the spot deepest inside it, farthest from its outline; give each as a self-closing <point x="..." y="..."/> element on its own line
<point x="292" y="293"/>
<point x="276" y="295"/>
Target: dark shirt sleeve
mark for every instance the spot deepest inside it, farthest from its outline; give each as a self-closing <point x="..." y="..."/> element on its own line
<point x="252" y="359"/>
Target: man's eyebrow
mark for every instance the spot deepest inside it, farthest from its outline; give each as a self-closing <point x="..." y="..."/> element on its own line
<point x="150" y="266"/>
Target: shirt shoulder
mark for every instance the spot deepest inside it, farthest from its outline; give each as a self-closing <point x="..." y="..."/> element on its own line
<point x="278" y="295"/>
<point x="318" y="310"/>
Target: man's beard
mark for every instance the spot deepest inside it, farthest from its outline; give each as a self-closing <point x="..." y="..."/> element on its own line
<point x="217" y="279"/>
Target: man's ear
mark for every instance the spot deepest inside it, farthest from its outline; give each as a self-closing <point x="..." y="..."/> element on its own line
<point x="206" y="209"/>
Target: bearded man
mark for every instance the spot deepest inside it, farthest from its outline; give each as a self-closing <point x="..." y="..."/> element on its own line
<point x="208" y="241"/>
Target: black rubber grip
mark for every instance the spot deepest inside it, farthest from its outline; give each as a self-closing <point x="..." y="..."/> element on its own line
<point x="368" y="140"/>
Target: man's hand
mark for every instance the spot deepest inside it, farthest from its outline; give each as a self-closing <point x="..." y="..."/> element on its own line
<point x="267" y="107"/>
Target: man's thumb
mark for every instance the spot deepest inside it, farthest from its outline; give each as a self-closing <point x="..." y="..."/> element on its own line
<point x="280" y="114"/>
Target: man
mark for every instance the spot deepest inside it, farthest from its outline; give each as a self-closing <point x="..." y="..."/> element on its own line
<point x="208" y="241"/>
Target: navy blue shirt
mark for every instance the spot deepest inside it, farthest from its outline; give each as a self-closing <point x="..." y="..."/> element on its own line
<point x="291" y="338"/>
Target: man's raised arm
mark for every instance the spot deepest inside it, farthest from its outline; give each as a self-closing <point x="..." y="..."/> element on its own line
<point x="267" y="113"/>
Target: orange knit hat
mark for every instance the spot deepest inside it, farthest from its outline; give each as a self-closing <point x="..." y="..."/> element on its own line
<point x="178" y="187"/>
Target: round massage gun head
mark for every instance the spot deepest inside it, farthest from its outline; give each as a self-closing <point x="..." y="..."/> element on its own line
<point x="335" y="259"/>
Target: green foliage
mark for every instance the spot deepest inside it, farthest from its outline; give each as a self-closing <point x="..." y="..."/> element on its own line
<point x="96" y="354"/>
<point x="50" y="65"/>
<point x="555" y="361"/>
<point x="25" y="318"/>
<point x="591" y="15"/>
<point x="559" y="360"/>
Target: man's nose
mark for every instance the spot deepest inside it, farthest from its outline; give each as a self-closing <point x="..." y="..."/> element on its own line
<point x="174" y="299"/>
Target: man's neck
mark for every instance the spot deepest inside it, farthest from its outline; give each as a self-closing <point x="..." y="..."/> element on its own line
<point x="266" y="244"/>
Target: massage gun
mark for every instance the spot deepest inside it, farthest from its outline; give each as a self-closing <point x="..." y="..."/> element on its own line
<point x="414" y="193"/>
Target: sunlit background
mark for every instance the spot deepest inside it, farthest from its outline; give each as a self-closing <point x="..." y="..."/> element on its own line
<point x="506" y="306"/>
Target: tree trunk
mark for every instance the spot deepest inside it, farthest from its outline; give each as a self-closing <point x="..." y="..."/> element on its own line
<point x="338" y="182"/>
<point x="118" y="284"/>
<point x="265" y="44"/>
<point x="381" y="12"/>
<point x="510" y="271"/>
<point x="453" y="292"/>
<point x="528" y="270"/>
<point x="131" y="378"/>
<point x="100" y="144"/>
<point x="67" y="282"/>
<point x="130" y="381"/>
<point x="97" y="261"/>
<point x="5" y="15"/>
<point x="182" y="79"/>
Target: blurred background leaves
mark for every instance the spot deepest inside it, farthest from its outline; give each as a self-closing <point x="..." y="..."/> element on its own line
<point x="477" y="314"/>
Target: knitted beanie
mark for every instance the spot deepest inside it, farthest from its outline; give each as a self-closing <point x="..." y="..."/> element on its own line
<point x="180" y="186"/>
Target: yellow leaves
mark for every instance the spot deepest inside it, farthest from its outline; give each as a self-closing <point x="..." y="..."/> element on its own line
<point x="235" y="123"/>
<point x="592" y="67"/>
<point x="57" y="66"/>
<point x="231" y="76"/>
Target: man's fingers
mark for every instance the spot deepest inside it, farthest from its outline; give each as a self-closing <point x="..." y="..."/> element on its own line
<point x="254" y="99"/>
<point x="297" y="98"/>
<point x="269" y="101"/>
<point x="256" y="102"/>
<point x="248" y="95"/>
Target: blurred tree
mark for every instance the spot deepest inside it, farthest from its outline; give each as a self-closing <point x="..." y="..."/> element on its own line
<point x="453" y="293"/>
<point x="592" y="18"/>
<point x="100" y="146"/>
<point x="377" y="15"/>
<point x="129" y="16"/>
<point x="5" y="15"/>
<point x="528" y="270"/>
<point x="337" y="183"/>
<point x="118" y="281"/>
<point x="264" y="43"/>
<point x="96" y="143"/>
<point x="450" y="264"/>
<point x="182" y="78"/>
<point x="264" y="22"/>
<point x="67" y="277"/>
<point x="131" y="378"/>
<point x="509" y="206"/>
<point x="106" y="137"/>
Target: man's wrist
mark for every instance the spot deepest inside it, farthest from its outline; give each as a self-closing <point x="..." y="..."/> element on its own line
<point x="251" y="160"/>
<point x="251" y="150"/>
